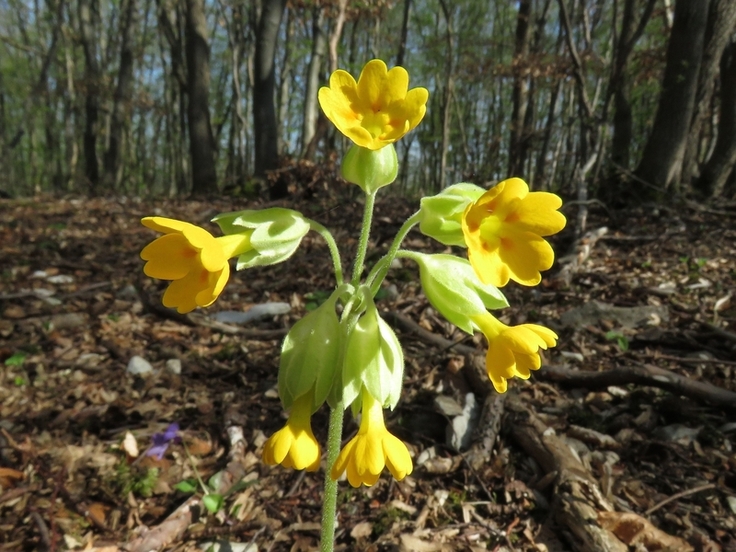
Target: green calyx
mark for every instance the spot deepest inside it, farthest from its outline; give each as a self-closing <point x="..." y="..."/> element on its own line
<point x="370" y="169"/>
<point x="453" y="288"/>
<point x="276" y="234"/>
<point x="441" y="214"/>
<point x="373" y="358"/>
<point x="310" y="354"/>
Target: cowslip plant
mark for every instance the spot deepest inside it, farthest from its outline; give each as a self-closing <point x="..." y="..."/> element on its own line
<point x="342" y="353"/>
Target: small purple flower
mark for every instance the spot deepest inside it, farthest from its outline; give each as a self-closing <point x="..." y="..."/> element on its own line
<point x="161" y="441"/>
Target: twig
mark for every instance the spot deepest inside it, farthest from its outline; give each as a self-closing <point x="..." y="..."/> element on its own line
<point x="683" y="360"/>
<point x="43" y="531"/>
<point x="681" y="494"/>
<point x="720" y="332"/>
<point x="645" y="374"/>
<point x="15" y="493"/>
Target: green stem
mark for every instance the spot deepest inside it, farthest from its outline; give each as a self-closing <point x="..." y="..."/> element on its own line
<point x="381" y="268"/>
<point x="332" y="245"/>
<point x="205" y="489"/>
<point x="334" y="432"/>
<point x="329" y="504"/>
<point x="370" y="200"/>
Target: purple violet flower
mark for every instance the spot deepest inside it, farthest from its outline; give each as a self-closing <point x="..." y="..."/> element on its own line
<point x="161" y="441"/>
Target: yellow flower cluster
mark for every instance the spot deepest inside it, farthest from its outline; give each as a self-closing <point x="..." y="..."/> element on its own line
<point x="503" y="229"/>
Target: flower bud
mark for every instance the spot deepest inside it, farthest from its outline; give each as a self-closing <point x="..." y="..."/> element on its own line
<point x="370" y="169"/>
<point x="453" y="288"/>
<point x="276" y="234"/>
<point x="373" y="358"/>
<point x="441" y="215"/>
<point x="310" y="354"/>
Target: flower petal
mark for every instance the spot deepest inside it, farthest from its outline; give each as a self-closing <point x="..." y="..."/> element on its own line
<point x="215" y="284"/>
<point x="500" y="363"/>
<point x="538" y="213"/>
<point x="398" y="459"/>
<point x="488" y="266"/>
<point x="164" y="225"/>
<point x="181" y="294"/>
<point x="373" y="84"/>
<point x="525" y="254"/>
<point x="169" y="257"/>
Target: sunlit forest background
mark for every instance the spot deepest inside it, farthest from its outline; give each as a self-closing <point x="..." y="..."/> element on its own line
<point x="622" y="100"/>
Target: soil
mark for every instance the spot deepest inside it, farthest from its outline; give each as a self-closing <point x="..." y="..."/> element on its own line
<point x="75" y="423"/>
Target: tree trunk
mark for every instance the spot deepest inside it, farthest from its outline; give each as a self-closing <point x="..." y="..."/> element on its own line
<point x="721" y="21"/>
<point x="319" y="50"/>
<point x="404" y="33"/>
<point x="721" y="163"/>
<point x="121" y="99"/>
<point x="284" y="82"/>
<point x="201" y="141"/>
<point x="661" y="161"/>
<point x="337" y="33"/>
<point x="623" y="125"/>
<point x="520" y="89"/>
<point x="91" y="104"/>
<point x="264" y="111"/>
<point x="448" y="92"/>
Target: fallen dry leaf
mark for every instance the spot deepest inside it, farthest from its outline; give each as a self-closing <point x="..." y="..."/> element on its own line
<point x="633" y="530"/>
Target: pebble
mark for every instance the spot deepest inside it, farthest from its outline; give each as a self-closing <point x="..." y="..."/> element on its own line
<point x="139" y="365"/>
<point x="173" y="365"/>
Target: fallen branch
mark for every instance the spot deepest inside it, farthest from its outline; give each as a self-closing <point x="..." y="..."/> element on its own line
<point x="645" y="374"/>
<point x="578" y="502"/>
<point x="577" y="497"/>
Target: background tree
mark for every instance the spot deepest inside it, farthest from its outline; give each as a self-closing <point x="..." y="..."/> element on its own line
<point x="201" y="141"/>
<point x="264" y="85"/>
<point x="665" y="148"/>
<point x="569" y="94"/>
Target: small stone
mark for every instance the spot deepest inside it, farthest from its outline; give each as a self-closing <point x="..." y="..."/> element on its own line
<point x="139" y="365"/>
<point x="173" y="365"/>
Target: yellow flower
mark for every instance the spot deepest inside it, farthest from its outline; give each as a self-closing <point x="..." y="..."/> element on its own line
<point x="512" y="350"/>
<point x="378" y="109"/>
<point x="503" y="230"/>
<point x="365" y="456"/>
<point x="195" y="261"/>
<point x="294" y="445"/>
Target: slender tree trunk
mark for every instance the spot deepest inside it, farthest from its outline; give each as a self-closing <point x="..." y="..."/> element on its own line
<point x="201" y="141"/>
<point x="721" y="21"/>
<point x="337" y="33"/>
<point x="88" y="39"/>
<point x="122" y="98"/>
<point x="264" y="112"/>
<point x="404" y="33"/>
<point x="447" y="93"/>
<point x="721" y="164"/>
<point x="539" y="176"/>
<point x="520" y="89"/>
<point x="319" y="50"/>
<point x="619" y="85"/>
<point x="661" y="161"/>
<point x="282" y="113"/>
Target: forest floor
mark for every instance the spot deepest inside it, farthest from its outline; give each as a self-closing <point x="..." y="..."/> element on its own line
<point x="625" y="439"/>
